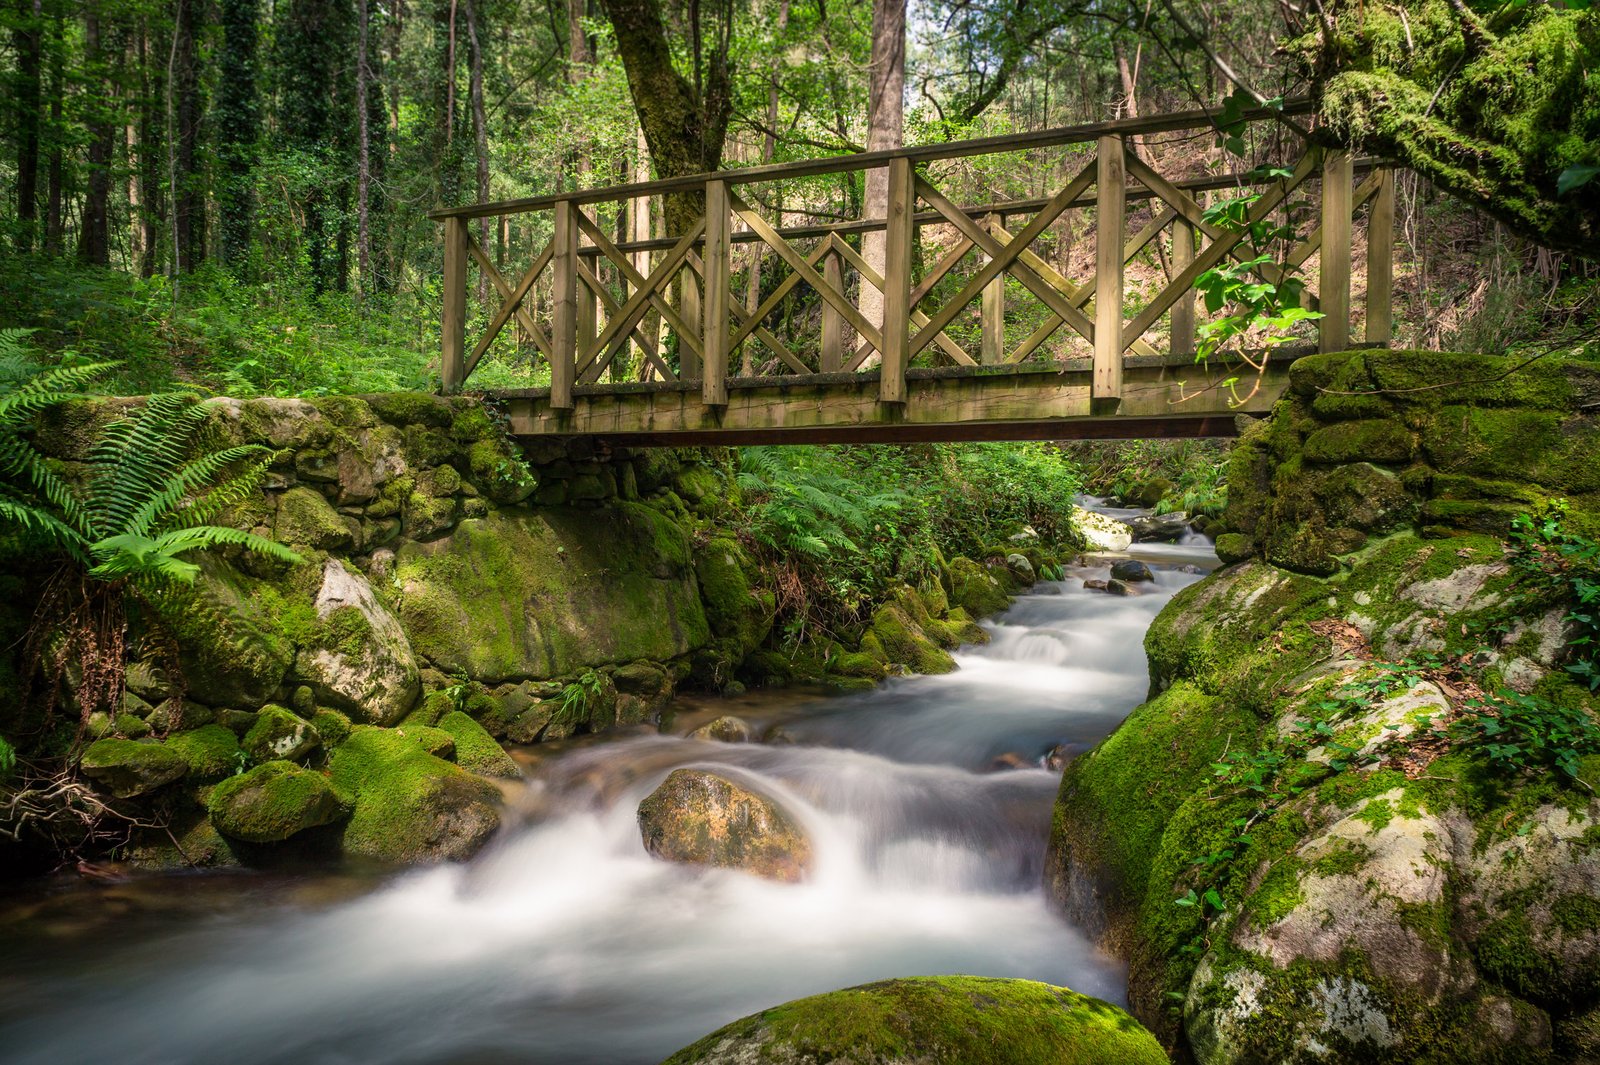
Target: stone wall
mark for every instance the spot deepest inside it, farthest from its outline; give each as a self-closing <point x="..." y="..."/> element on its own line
<point x="1359" y="881"/>
<point x="456" y="590"/>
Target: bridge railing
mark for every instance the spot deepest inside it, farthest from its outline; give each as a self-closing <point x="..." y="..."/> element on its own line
<point x="667" y="310"/>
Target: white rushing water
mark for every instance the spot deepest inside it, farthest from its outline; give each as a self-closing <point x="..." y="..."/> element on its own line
<point x="565" y="943"/>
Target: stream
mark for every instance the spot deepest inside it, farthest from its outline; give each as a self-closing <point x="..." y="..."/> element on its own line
<point x="565" y="943"/>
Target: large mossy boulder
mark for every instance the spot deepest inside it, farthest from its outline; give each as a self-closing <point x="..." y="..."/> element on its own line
<point x="703" y="818"/>
<point x="1289" y="838"/>
<point x="234" y="632"/>
<point x="410" y="806"/>
<point x="357" y="658"/>
<point x="974" y="589"/>
<point x="737" y="607"/>
<point x="130" y="768"/>
<point x="280" y="735"/>
<point x="272" y="802"/>
<point x="969" y="1020"/>
<point x="475" y="750"/>
<point x="211" y="751"/>
<point x="521" y="595"/>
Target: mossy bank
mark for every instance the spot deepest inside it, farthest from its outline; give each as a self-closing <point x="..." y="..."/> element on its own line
<point x="1298" y="854"/>
<point x="456" y="591"/>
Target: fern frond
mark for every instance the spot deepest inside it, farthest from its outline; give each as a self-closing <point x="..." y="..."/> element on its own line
<point x="39" y="523"/>
<point x="221" y="497"/>
<point x="137" y="456"/>
<point x="184" y="485"/>
<point x="200" y="537"/>
<point x="43" y="390"/>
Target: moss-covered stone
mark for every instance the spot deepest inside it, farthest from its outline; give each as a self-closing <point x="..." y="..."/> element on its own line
<point x="475" y="749"/>
<point x="1384" y="441"/>
<point x="279" y="735"/>
<point x="272" y="802"/>
<point x="967" y="1019"/>
<point x="436" y="741"/>
<point x="409" y="805"/>
<point x="736" y="605"/>
<point x="974" y="589"/>
<point x="306" y="519"/>
<point x="129" y="768"/>
<point x="235" y="632"/>
<point x="529" y="595"/>
<point x="212" y="752"/>
<point x="905" y="643"/>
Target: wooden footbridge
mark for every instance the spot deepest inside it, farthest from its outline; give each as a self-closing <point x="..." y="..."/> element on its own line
<point x="977" y="333"/>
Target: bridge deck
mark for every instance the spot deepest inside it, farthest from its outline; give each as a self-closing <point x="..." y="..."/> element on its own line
<point x="1161" y="397"/>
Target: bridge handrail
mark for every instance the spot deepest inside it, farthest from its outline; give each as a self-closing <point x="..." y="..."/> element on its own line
<point x="838" y="164"/>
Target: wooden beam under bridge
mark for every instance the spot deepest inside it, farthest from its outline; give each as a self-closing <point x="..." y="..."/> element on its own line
<point x="1162" y="397"/>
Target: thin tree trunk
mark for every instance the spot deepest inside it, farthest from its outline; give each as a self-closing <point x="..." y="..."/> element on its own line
<point x="188" y="205"/>
<point x="238" y="114"/>
<point x="54" y="223"/>
<point x="26" y="38"/>
<point x="480" y="134"/>
<point x="363" y="151"/>
<point x="885" y="130"/>
<point x="769" y="148"/>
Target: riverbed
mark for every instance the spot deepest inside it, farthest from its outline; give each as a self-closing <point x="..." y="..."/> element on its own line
<point x="928" y="802"/>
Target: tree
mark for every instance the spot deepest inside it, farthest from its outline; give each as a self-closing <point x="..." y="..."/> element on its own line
<point x="239" y="130"/>
<point x="26" y="39"/>
<point x="885" y="130"/>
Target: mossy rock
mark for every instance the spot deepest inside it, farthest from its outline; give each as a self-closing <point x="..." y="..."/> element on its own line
<point x="523" y="595"/>
<point x="236" y="633"/>
<point x="409" y="805"/>
<point x="331" y="725"/>
<point x="436" y="741"/>
<point x="212" y="752"/>
<point x="279" y="735"/>
<point x="306" y="519"/>
<point x="475" y="749"/>
<point x="272" y="802"/>
<point x="413" y="408"/>
<point x="736" y="606"/>
<point x="500" y="472"/>
<point x="1371" y="440"/>
<point x="967" y="1019"/>
<point x="974" y="589"/>
<point x="906" y="644"/>
<point x="129" y="768"/>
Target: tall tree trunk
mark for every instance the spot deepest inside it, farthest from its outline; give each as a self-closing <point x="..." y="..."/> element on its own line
<point x="769" y="148"/>
<point x="189" y="204"/>
<point x="148" y="180"/>
<point x="54" y="222"/>
<point x="446" y="153"/>
<point x="480" y="136"/>
<point x="885" y="130"/>
<point x="578" y="60"/>
<point x="27" y="39"/>
<point x="239" y="118"/>
<point x="363" y="148"/>
<point x="94" y="236"/>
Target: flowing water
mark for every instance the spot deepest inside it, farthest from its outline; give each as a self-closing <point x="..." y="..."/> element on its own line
<point x="565" y="943"/>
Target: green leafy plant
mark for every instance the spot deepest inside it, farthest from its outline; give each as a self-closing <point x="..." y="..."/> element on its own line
<point x="580" y="698"/>
<point x="1557" y="563"/>
<point x="1528" y="733"/>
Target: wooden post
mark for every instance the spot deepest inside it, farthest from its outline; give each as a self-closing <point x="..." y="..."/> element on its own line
<point x="1183" y="336"/>
<point x="1333" y="293"/>
<point x="453" y="334"/>
<point x="588" y="315"/>
<point x="718" y="265"/>
<point x="992" y="346"/>
<point x="1380" y="261"/>
<point x="564" y="306"/>
<point x="1110" y="210"/>
<point x="689" y="311"/>
<point x="833" y="331"/>
<point x="901" y="224"/>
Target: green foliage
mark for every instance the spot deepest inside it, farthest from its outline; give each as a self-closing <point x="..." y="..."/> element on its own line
<point x="807" y="505"/>
<point x="1528" y="733"/>
<point x="8" y="758"/>
<point x="580" y="698"/>
<point x="1557" y="563"/>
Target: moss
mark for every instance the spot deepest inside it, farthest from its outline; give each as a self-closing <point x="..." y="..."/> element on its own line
<point x="212" y="752"/>
<point x="499" y="472"/>
<point x="272" y="802"/>
<point x="905" y="643"/>
<point x="280" y="735"/>
<point x="436" y="741"/>
<point x="967" y="1019"/>
<point x="306" y="519"/>
<point x="538" y="594"/>
<point x="735" y="605"/>
<point x="1279" y="893"/>
<point x="1372" y="440"/>
<point x="409" y="805"/>
<point x="331" y="725"/>
<point x="128" y="768"/>
<point x="1235" y="547"/>
<point x="434" y="705"/>
<point x="131" y="727"/>
<point x="1576" y="914"/>
<point x="349" y="412"/>
<point x="974" y="589"/>
<point x="1506" y="953"/>
<point x="412" y="408"/>
<point x="236" y="634"/>
<point x="476" y="750"/>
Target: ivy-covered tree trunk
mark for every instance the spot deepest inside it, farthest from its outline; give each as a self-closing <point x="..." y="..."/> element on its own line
<point x="25" y="39"/>
<point x="1502" y="110"/>
<point x="684" y="124"/>
<point x="239" y="132"/>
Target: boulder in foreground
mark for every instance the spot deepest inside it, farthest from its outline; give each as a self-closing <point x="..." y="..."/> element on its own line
<point x="704" y="819"/>
<point x="968" y="1019"/>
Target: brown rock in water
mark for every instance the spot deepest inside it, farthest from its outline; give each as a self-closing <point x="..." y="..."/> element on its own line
<point x="1012" y="760"/>
<point x="704" y="819"/>
<point x="725" y="729"/>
